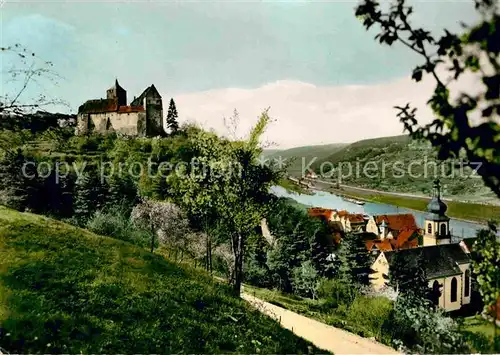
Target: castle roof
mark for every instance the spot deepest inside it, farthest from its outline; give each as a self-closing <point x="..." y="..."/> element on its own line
<point x="151" y="90"/>
<point x="106" y="105"/>
<point x="117" y="86"/>
<point x="437" y="260"/>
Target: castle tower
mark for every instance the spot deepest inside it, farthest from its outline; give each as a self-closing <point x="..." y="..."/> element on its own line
<point x="151" y="100"/>
<point x="118" y="94"/>
<point x="436" y="224"/>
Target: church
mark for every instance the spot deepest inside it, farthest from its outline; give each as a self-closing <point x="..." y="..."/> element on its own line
<point x="142" y="118"/>
<point x="447" y="265"/>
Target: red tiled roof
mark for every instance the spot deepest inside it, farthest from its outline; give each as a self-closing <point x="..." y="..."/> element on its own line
<point x="107" y="105"/>
<point x="355" y="218"/>
<point x="342" y="213"/>
<point x="125" y="109"/>
<point x="406" y="239"/>
<point x="320" y="212"/>
<point x="398" y="222"/>
<point x="382" y="245"/>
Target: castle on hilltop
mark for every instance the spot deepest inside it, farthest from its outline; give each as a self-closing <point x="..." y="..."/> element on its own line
<point x="142" y="118"/>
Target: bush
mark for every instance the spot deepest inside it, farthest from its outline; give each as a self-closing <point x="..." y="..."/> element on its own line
<point x="116" y="224"/>
<point x="370" y="313"/>
<point x="336" y="292"/>
<point x="417" y="327"/>
<point x="305" y="280"/>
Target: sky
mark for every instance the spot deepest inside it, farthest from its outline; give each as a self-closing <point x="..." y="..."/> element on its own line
<point x="312" y="62"/>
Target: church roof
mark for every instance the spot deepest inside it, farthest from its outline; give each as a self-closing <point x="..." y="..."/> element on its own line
<point x="437" y="260"/>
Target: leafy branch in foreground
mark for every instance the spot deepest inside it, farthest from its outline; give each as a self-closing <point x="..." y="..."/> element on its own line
<point x="27" y="70"/>
<point x="468" y="123"/>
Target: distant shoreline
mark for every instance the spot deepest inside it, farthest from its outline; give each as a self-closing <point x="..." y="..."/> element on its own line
<point x="413" y="203"/>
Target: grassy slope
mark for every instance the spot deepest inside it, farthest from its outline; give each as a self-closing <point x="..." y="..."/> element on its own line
<point x="294" y="155"/>
<point x="64" y="289"/>
<point x="412" y="157"/>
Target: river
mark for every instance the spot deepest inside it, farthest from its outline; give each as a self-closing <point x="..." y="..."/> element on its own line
<point x="459" y="229"/>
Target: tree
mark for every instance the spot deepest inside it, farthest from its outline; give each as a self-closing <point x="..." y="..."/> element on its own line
<point x="225" y="183"/>
<point x="26" y="71"/>
<point x="121" y="192"/>
<point x="306" y="280"/>
<point x="13" y="191"/>
<point x="355" y="261"/>
<point x="424" y="330"/>
<point x="467" y="124"/>
<point x="90" y="195"/>
<point x="164" y="219"/>
<point x="486" y="251"/>
<point x="172" y="123"/>
<point x="408" y="276"/>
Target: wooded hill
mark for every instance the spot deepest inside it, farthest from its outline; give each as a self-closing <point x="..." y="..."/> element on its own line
<point x="399" y="154"/>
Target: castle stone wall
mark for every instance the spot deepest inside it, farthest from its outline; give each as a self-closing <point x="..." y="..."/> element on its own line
<point x="130" y="123"/>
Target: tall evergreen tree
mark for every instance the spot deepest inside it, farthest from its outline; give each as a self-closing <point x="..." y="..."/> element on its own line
<point x="408" y="276"/>
<point x="13" y="189"/>
<point x="90" y="195"/>
<point x="121" y="192"/>
<point x="172" y="123"/>
<point x="83" y="206"/>
<point x="355" y="261"/>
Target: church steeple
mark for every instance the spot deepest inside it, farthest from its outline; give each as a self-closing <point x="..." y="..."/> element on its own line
<point x="436" y="222"/>
<point x="436" y="206"/>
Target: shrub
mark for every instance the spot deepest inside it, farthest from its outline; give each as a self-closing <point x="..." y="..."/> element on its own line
<point x="336" y="292"/>
<point x="116" y="224"/>
<point x="305" y="280"/>
<point x="417" y="327"/>
<point x="370" y="313"/>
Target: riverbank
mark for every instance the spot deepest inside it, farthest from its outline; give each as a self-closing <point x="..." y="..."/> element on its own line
<point x="468" y="212"/>
<point x="293" y="187"/>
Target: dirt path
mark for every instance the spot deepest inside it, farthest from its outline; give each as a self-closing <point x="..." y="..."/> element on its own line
<point x="323" y="336"/>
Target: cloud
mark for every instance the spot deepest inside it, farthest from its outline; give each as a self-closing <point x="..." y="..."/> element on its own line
<point x="307" y="114"/>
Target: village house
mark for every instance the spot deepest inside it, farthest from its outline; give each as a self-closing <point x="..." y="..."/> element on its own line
<point x="328" y="216"/>
<point x="142" y="118"/>
<point x="447" y="266"/>
<point x="392" y="232"/>
<point x="353" y="222"/>
<point x="325" y="214"/>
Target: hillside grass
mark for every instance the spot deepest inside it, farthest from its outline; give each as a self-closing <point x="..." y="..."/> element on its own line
<point x="480" y="333"/>
<point x="466" y="211"/>
<point x="66" y="290"/>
